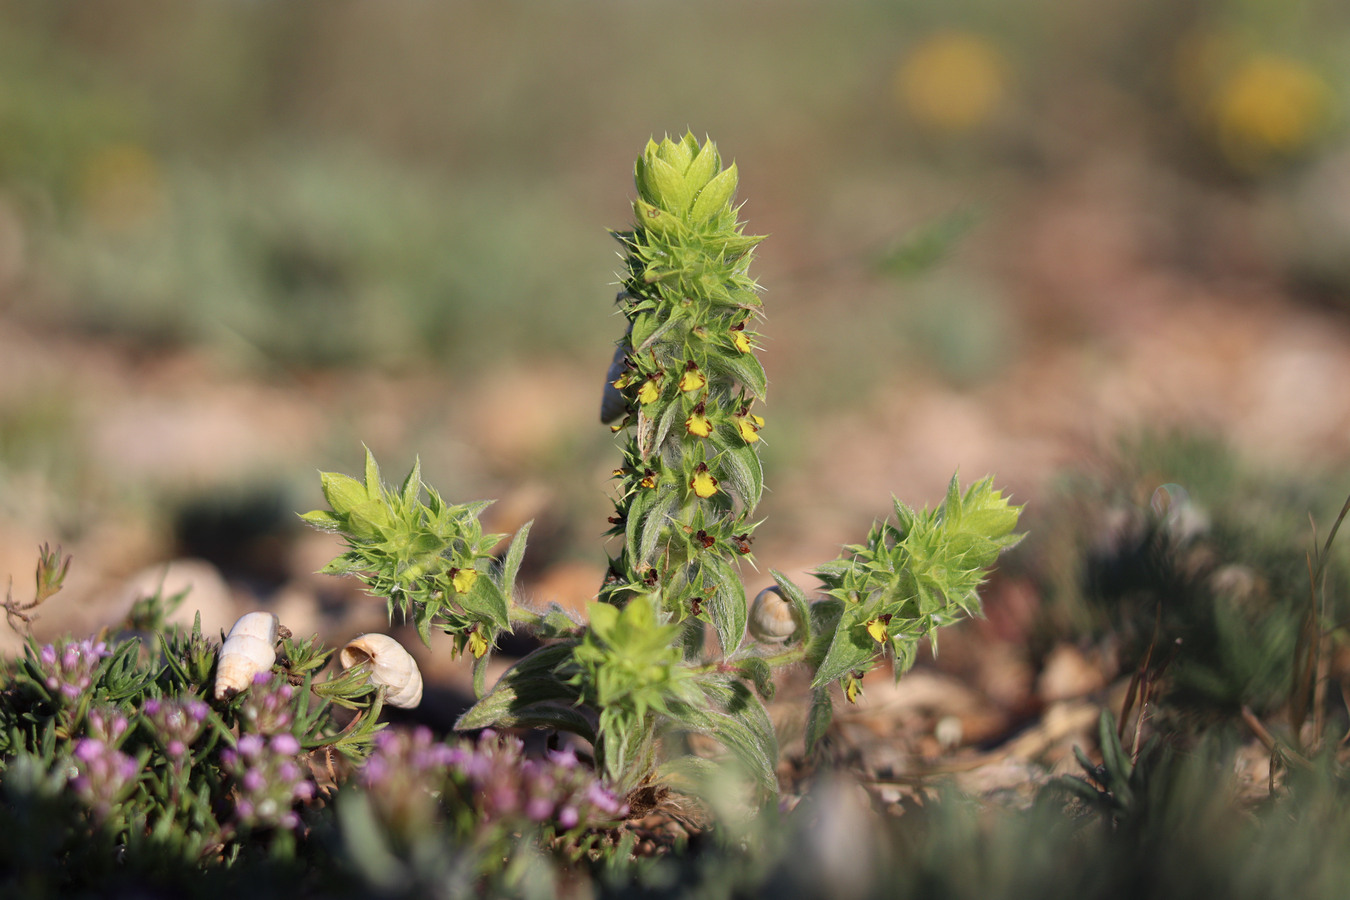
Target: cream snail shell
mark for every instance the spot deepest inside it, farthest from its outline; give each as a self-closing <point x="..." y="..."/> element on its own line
<point x="249" y="648"/>
<point x="772" y="618"/>
<point x="391" y="667"/>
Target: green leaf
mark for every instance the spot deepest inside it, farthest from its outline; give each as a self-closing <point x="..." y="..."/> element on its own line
<point x="648" y="328"/>
<point x="656" y="520"/>
<point x="532" y="681"/>
<point x="757" y="672"/>
<point x="664" y="424"/>
<point x="743" y="475"/>
<point x="727" y="606"/>
<point x="1114" y="758"/>
<point x="716" y="194"/>
<point x="480" y="667"/>
<point x="851" y="648"/>
<point x="412" y="485"/>
<point x="514" y="555"/>
<point x="635" y="518"/>
<point x="738" y="721"/>
<point x="818" y="718"/>
<point x="486" y="600"/>
<point x="373" y="486"/>
<point x="928" y="244"/>
<point x="322" y="520"/>
<point x="745" y="369"/>
<point x="666" y="185"/>
<point x="342" y="492"/>
<point x="800" y="604"/>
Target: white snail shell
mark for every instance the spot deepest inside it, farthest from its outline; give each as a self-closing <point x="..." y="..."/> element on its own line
<point x="391" y="667"/>
<point x="772" y="618"/>
<point x="249" y="648"/>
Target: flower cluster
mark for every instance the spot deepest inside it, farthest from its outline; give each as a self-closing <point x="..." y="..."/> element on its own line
<point x="176" y="723"/>
<point x="269" y="779"/>
<point x="104" y="775"/>
<point x="68" y="670"/>
<point x="554" y="790"/>
<point x="267" y="709"/>
<point x="400" y="777"/>
<point x="493" y="777"/>
<point x="106" y="724"/>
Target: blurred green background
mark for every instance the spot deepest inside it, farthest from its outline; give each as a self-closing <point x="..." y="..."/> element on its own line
<point x="237" y="239"/>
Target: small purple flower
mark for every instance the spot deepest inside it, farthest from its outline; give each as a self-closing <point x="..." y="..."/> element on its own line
<point x="493" y="776"/>
<point x="267" y="708"/>
<point x="68" y="670"/>
<point x="106" y="724"/>
<point x="176" y="723"/>
<point x="269" y="778"/>
<point x="103" y="777"/>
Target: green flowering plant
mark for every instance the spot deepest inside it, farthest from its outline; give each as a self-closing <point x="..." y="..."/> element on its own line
<point x="665" y="651"/>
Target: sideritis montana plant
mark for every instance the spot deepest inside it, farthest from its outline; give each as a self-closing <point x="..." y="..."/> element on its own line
<point x="671" y="644"/>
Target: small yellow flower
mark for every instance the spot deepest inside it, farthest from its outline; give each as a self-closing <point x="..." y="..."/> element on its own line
<point x="952" y="81"/>
<point x="749" y="425"/>
<point x="703" y="483"/>
<point x="741" y="341"/>
<point x="692" y="379"/>
<point x="1269" y="106"/>
<point x="463" y="579"/>
<point x="649" y="390"/>
<point x="877" y="629"/>
<point x="852" y="688"/>
<point x="648" y="479"/>
<point x="698" y="425"/>
<point x="478" y="645"/>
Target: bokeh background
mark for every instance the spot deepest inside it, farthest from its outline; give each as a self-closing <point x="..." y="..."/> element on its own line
<point x="241" y="238"/>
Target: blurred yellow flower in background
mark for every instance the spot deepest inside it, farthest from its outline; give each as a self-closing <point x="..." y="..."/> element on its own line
<point x="119" y="187"/>
<point x="1269" y="106"/>
<point x="952" y="81"/>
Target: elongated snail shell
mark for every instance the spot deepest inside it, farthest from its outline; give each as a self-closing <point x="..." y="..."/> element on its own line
<point x="249" y="648"/>
<point x="391" y="667"/>
<point x="772" y="618"/>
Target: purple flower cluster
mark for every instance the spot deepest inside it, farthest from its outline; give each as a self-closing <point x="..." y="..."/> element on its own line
<point x="403" y="776"/>
<point x="498" y="779"/>
<point x="267" y="708"/>
<point x="269" y="779"/>
<point x="106" y="724"/>
<point x="103" y="775"/>
<point x="68" y="670"/>
<point x="177" y="723"/>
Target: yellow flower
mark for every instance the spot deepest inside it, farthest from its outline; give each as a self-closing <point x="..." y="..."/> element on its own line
<point x="741" y="341"/>
<point x="703" y="483"/>
<point x="749" y="425"/>
<point x="698" y="425"/>
<point x="648" y="479"/>
<point x="1269" y="106"/>
<point x="649" y="390"/>
<point x="463" y="579"/>
<point x="877" y="629"/>
<point x="478" y="645"/>
<point x="952" y="81"/>
<point x="852" y="688"/>
<point x="692" y="379"/>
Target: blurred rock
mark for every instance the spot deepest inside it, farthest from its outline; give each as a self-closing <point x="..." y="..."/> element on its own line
<point x="207" y="593"/>
<point x="1069" y="673"/>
